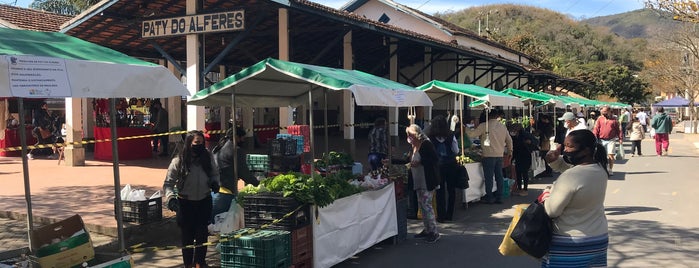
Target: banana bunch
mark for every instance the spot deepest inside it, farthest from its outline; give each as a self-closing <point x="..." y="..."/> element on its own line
<point x="462" y="159"/>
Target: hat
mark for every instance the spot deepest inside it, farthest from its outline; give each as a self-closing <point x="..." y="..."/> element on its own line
<point x="567" y="116"/>
<point x="593" y="113"/>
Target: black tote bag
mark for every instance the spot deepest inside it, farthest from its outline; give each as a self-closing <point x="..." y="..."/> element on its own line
<point x="533" y="231"/>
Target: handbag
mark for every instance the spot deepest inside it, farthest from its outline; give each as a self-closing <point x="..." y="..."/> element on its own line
<point x="461" y="177"/>
<point x="508" y="247"/>
<point x="533" y="231"/>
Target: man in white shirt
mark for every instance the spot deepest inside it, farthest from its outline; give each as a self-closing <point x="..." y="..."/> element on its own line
<point x="643" y="119"/>
<point x="571" y="123"/>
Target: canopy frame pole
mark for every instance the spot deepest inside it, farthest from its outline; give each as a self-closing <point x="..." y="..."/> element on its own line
<point x="325" y="116"/>
<point x="234" y="137"/>
<point x="461" y="123"/>
<point x="25" y="171"/>
<point x="310" y="126"/>
<point x="115" y="167"/>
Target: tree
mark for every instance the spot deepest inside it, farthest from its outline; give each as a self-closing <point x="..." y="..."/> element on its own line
<point x="682" y="10"/>
<point x="677" y="66"/>
<point x="65" y="7"/>
<point x="619" y="82"/>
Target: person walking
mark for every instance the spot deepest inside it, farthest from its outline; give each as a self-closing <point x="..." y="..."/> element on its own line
<point x="42" y="128"/>
<point x="447" y="148"/>
<point x="636" y="135"/>
<point x="523" y="145"/>
<point x="643" y="118"/>
<point x="662" y="124"/>
<point x="424" y="177"/>
<point x="378" y="149"/>
<point x="496" y="143"/>
<point x="575" y="204"/>
<point x="571" y="123"/>
<point x="191" y="177"/>
<point x="161" y="125"/>
<point x="607" y="130"/>
<point x="591" y="121"/>
<point x="544" y="131"/>
<point x="624" y="119"/>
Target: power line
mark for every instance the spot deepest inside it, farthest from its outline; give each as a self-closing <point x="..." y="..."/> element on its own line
<point x="603" y="7"/>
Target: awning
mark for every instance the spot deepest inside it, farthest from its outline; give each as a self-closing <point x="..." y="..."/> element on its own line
<point x="278" y="83"/>
<point x="53" y="65"/>
<point x="674" y="102"/>
<point x="436" y="89"/>
<point x="528" y="95"/>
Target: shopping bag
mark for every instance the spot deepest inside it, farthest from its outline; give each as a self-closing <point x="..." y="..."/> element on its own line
<point x="533" y="231"/>
<point x="538" y="164"/>
<point x="461" y="180"/>
<point x="620" y="152"/>
<point x="508" y="247"/>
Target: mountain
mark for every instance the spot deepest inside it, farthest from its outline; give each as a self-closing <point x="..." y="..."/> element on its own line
<point x="642" y="23"/>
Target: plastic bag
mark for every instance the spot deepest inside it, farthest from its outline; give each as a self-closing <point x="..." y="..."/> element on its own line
<point x="508" y="247"/>
<point x="125" y="192"/>
<point x="157" y="194"/>
<point x="137" y="195"/>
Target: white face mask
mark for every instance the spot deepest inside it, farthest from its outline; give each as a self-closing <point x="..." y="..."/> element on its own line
<point x="566" y="124"/>
<point x="411" y="139"/>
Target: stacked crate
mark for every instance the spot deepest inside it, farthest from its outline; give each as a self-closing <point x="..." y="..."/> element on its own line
<point x="264" y="208"/>
<point x="286" y="153"/>
<point x="259" y="249"/>
<point x="258" y="164"/>
<point x="302" y="130"/>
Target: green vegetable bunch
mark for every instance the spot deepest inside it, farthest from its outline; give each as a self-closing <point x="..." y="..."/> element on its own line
<point x="335" y="159"/>
<point x="318" y="190"/>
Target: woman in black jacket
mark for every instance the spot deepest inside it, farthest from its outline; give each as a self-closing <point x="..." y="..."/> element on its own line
<point x="424" y="173"/>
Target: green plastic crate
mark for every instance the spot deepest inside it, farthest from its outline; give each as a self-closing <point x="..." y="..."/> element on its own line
<point x="258" y="162"/>
<point x="262" y="249"/>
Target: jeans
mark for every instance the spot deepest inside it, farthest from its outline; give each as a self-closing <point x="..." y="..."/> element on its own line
<point x="193" y="220"/>
<point x="446" y="194"/>
<point x="636" y="147"/>
<point x="662" y="142"/>
<point x="492" y="167"/>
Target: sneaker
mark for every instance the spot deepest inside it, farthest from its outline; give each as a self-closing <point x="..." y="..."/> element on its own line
<point x="524" y="193"/>
<point x="611" y="172"/>
<point x="632" y="155"/>
<point x="29" y="156"/>
<point x="422" y="234"/>
<point x="664" y="152"/>
<point x="433" y="237"/>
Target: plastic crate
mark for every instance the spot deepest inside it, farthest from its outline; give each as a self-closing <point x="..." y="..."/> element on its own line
<point x="257" y="162"/>
<point x="264" y="208"/>
<point x="262" y="249"/>
<point x="283" y="136"/>
<point x="299" y="143"/>
<point x="145" y="211"/>
<point x="285" y="163"/>
<point x="302" y="244"/>
<point x="277" y="147"/>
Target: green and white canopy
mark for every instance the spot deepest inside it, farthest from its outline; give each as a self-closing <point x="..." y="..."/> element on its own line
<point x="531" y="96"/>
<point x="436" y="89"/>
<point x="278" y="83"/>
<point x="53" y="65"/>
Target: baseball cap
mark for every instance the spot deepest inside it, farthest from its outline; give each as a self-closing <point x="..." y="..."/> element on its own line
<point x="567" y="116"/>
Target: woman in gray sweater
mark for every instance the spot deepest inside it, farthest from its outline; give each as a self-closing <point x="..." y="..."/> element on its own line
<point x="575" y="204"/>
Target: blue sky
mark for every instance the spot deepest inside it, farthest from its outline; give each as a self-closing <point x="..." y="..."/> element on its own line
<point x="575" y="8"/>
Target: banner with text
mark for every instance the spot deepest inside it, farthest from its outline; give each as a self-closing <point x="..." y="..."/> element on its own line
<point x="194" y="24"/>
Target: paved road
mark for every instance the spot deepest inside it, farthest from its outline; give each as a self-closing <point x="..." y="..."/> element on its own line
<point x="650" y="203"/>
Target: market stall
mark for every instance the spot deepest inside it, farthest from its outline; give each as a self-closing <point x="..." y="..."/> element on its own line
<point x="133" y="119"/>
<point x="482" y="96"/>
<point x="79" y="69"/>
<point x="277" y="83"/>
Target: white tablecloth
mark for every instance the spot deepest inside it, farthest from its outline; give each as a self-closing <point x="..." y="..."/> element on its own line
<point x="476" y="184"/>
<point x="352" y="224"/>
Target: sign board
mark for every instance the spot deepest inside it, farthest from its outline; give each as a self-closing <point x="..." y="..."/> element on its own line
<point x="32" y="76"/>
<point x="194" y="24"/>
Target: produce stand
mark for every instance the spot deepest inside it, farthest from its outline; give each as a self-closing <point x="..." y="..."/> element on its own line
<point x="359" y="221"/>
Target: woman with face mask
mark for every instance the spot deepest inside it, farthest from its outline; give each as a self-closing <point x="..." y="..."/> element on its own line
<point x="424" y="176"/>
<point x="575" y="204"/>
<point x="191" y="177"/>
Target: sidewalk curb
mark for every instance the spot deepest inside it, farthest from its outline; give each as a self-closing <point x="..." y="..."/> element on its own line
<point x="129" y="228"/>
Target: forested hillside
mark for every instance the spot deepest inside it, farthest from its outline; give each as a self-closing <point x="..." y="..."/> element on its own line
<point x="642" y="23"/>
<point x="558" y="43"/>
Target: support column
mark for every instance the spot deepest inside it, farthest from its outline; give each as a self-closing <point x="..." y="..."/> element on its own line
<point x="195" y="114"/>
<point x="174" y="107"/>
<point x="223" y="112"/>
<point x="285" y="113"/>
<point x="393" y="75"/>
<point x="74" y="154"/>
<point x="347" y="99"/>
<point x="88" y="118"/>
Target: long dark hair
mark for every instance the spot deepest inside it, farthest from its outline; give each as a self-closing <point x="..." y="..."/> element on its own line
<point x="186" y="157"/>
<point x="585" y="139"/>
<point x="439" y="128"/>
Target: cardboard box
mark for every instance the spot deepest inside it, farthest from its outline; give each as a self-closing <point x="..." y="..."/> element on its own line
<point x="74" y="248"/>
